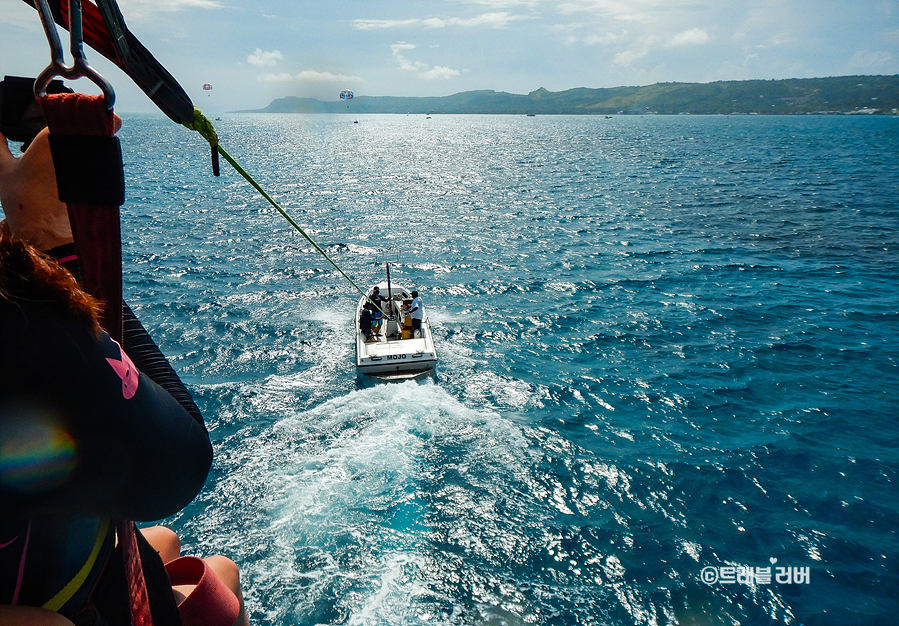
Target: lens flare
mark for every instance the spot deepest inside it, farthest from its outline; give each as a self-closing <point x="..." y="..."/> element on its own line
<point x="36" y="452"/>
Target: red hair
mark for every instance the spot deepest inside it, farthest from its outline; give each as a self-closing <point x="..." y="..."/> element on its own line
<point x="28" y="275"/>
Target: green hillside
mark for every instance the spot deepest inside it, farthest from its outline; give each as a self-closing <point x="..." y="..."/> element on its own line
<point x="843" y="95"/>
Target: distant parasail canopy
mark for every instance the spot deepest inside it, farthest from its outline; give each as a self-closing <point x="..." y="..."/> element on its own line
<point x="346" y="94"/>
<point x="207" y="87"/>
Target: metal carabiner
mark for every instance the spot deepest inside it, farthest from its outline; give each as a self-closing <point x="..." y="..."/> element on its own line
<point x="57" y="67"/>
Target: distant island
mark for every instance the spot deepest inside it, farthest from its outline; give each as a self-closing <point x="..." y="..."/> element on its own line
<point x="844" y="95"/>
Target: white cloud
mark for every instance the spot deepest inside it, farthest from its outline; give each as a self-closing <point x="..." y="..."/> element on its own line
<point x="143" y="8"/>
<point x="598" y="39"/>
<point x="637" y="28"/>
<point x="327" y="77"/>
<point x="599" y="35"/>
<point x="434" y="22"/>
<point x="424" y="71"/>
<point x="498" y="19"/>
<point x="262" y="58"/>
<point x="379" y="24"/>
<point x="283" y="77"/>
<point x="148" y="11"/>
<point x="504" y="4"/>
<point x="867" y="61"/>
<point x="488" y="20"/>
<point x="776" y="40"/>
<point x="438" y="72"/>
<point x="404" y="63"/>
<point x="402" y="45"/>
<point x="692" y="37"/>
<point x="310" y="76"/>
<point x="625" y="10"/>
<point x="627" y="58"/>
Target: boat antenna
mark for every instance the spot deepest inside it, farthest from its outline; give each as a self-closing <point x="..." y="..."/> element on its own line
<point x="389" y="294"/>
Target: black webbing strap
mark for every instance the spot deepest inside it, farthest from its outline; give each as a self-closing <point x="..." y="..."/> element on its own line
<point x="88" y="169"/>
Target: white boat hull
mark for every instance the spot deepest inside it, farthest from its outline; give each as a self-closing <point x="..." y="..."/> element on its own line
<point x="389" y="356"/>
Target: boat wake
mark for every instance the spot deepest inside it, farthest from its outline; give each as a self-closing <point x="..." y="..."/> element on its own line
<point x="398" y="504"/>
<point x="335" y="507"/>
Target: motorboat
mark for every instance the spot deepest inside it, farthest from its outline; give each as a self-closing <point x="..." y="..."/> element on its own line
<point x="393" y="352"/>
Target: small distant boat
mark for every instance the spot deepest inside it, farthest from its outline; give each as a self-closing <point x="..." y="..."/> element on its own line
<point x="394" y="354"/>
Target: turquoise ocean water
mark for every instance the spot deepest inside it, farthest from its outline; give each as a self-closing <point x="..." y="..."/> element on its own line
<point x="668" y="380"/>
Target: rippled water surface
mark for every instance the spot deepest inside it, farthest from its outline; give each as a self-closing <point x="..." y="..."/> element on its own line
<point x="668" y="347"/>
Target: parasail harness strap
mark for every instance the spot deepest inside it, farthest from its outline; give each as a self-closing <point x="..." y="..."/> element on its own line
<point x="90" y="177"/>
<point x="90" y="180"/>
<point x="105" y="31"/>
<point x="89" y="174"/>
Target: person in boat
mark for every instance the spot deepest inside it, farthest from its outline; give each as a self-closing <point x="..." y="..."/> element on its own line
<point x="377" y="298"/>
<point x="379" y="311"/>
<point x="365" y="321"/>
<point x="90" y="432"/>
<point x="377" y="320"/>
<point x="416" y="312"/>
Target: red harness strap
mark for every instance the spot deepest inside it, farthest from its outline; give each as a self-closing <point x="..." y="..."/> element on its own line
<point x="134" y="573"/>
<point x="88" y="163"/>
<point x="91" y="183"/>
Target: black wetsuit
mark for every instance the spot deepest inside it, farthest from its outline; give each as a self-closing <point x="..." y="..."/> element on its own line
<point x="365" y="323"/>
<point x="87" y="436"/>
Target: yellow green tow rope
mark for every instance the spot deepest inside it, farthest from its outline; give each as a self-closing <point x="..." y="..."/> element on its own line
<point x="202" y="125"/>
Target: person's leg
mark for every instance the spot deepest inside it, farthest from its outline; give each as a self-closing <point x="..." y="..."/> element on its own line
<point x="30" y="616"/>
<point x="167" y="543"/>
<point x="164" y="541"/>
<point x="228" y="573"/>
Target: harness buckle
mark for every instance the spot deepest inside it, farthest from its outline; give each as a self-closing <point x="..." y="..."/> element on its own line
<point x="80" y="67"/>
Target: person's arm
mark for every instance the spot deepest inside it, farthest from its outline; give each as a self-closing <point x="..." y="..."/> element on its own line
<point x="114" y="443"/>
<point x="29" y="197"/>
<point x="105" y="440"/>
<point x="150" y="360"/>
<point x="138" y="343"/>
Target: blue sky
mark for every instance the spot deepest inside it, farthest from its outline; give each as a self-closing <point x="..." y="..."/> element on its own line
<point x="253" y="51"/>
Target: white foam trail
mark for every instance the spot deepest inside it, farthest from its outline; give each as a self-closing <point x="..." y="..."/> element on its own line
<point x="328" y="503"/>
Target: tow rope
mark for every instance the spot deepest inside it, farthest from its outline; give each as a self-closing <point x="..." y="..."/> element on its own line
<point x="202" y="125"/>
<point x="105" y="31"/>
